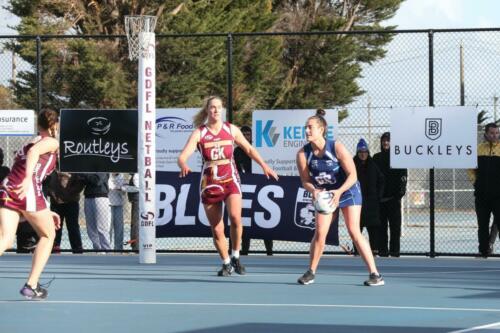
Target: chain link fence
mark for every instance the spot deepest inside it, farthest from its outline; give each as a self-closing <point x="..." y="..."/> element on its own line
<point x="463" y="72"/>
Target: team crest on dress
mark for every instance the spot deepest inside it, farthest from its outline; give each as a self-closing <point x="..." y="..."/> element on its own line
<point x="304" y="210"/>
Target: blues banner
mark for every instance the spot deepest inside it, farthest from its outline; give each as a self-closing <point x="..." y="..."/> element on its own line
<point x="279" y="210"/>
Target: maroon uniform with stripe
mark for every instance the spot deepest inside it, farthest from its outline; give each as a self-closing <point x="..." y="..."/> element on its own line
<point x="219" y="177"/>
<point x="34" y="200"/>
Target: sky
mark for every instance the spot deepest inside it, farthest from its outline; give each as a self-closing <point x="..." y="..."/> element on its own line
<point x="413" y="14"/>
<point x="447" y="14"/>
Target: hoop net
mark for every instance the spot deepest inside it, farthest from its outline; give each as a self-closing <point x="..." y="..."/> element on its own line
<point x="134" y="25"/>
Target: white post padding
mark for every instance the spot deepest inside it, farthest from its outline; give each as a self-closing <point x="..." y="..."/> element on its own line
<point x="147" y="149"/>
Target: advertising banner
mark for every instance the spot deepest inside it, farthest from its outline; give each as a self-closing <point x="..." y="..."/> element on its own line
<point x="279" y="210"/>
<point x="17" y="122"/>
<point x="434" y="137"/>
<point x="279" y="134"/>
<point x="98" y="140"/>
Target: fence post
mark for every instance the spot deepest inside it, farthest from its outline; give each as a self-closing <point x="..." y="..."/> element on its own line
<point x="229" y="104"/>
<point x="432" y="229"/>
<point x="38" y="74"/>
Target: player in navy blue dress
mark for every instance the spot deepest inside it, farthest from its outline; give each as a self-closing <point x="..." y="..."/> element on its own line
<point x="326" y="165"/>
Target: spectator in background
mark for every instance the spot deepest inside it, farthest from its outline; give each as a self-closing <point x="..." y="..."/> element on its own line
<point x="96" y="207"/>
<point x="64" y="191"/>
<point x="486" y="180"/>
<point x="116" y="198"/>
<point x="244" y="165"/>
<point x="133" y="198"/>
<point x="390" y="204"/>
<point x="371" y="180"/>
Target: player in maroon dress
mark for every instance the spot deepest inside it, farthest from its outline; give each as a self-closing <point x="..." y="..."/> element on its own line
<point x="21" y="195"/>
<point x="220" y="181"/>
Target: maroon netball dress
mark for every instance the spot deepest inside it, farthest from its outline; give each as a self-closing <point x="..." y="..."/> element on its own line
<point x="34" y="199"/>
<point x="219" y="176"/>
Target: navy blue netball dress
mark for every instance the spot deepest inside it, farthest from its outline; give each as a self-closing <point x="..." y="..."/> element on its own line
<point x="326" y="173"/>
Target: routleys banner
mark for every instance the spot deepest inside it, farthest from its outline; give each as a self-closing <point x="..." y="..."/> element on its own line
<point x="173" y="128"/>
<point x="98" y="140"/>
<point x="434" y="137"/>
<point x="279" y="210"/>
<point x="17" y="122"/>
<point x="279" y="134"/>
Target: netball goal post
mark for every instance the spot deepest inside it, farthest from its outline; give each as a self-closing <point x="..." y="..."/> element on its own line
<point x="141" y="46"/>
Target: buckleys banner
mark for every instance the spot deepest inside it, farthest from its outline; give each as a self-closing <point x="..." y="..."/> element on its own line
<point x="279" y="210"/>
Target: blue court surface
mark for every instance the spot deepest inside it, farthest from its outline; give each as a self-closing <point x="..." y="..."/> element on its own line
<point x="181" y="293"/>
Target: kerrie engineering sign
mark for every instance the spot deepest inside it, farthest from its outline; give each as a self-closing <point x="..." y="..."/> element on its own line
<point x="98" y="140"/>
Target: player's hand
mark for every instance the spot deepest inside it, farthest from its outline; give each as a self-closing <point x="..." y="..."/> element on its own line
<point x="336" y="197"/>
<point x="57" y="220"/>
<point x="185" y="170"/>
<point x="315" y="193"/>
<point x="270" y="172"/>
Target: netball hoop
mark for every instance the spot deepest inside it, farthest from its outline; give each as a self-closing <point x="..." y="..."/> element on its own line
<point x="141" y="46"/>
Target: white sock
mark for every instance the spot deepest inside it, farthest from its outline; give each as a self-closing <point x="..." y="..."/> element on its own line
<point x="226" y="261"/>
<point x="235" y="254"/>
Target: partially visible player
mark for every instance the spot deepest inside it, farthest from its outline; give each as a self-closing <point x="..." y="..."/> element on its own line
<point x="21" y="195"/>
<point x="220" y="181"/>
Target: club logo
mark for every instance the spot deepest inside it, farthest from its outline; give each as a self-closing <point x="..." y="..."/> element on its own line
<point x="147" y="215"/>
<point x="99" y="125"/>
<point x="433" y="128"/>
<point x="304" y="210"/>
<point x="266" y="133"/>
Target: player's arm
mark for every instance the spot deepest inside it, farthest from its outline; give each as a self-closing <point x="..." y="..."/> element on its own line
<point x="347" y="163"/>
<point x="187" y="151"/>
<point x="305" y="178"/>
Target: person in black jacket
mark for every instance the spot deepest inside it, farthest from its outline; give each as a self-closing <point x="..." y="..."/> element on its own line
<point x="244" y="165"/>
<point x="390" y="204"/>
<point x="372" y="188"/>
<point x="486" y="181"/>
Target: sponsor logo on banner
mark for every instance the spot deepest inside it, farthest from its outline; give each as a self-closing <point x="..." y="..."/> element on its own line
<point x="266" y="133"/>
<point x="167" y="125"/>
<point x="433" y="128"/>
<point x="304" y="210"/>
<point x="99" y="125"/>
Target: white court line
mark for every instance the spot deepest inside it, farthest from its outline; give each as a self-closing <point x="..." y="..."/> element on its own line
<point x="475" y="328"/>
<point x="291" y="305"/>
<point x="384" y="274"/>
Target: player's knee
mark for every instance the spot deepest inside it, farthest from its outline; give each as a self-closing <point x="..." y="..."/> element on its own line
<point x="218" y="232"/>
<point x="235" y="219"/>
